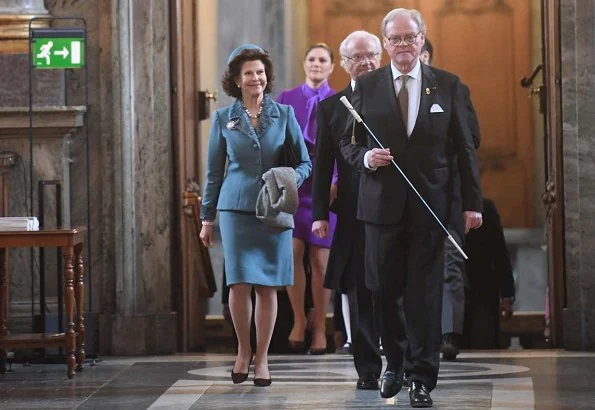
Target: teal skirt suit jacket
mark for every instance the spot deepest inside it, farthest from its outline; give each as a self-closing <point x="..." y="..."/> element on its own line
<point x="237" y="157"/>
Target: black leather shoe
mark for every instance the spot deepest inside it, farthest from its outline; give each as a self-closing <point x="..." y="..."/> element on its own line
<point x="238" y="378"/>
<point x="390" y="385"/>
<point x="450" y="346"/>
<point x="263" y="382"/>
<point x="419" y="395"/>
<point x="367" y="382"/>
<point x="297" y="346"/>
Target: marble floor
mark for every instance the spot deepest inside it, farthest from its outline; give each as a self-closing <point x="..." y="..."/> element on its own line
<point x="540" y="379"/>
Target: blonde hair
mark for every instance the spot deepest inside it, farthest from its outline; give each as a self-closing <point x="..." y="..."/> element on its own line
<point x="323" y="46"/>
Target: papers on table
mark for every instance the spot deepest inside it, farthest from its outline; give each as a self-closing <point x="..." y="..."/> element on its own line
<point x="19" y="223"/>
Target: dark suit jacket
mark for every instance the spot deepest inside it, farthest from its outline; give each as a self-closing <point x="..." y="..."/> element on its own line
<point x="346" y="255"/>
<point x="472" y="117"/>
<point x="489" y="278"/>
<point x="456" y="214"/>
<point x="332" y="118"/>
<point x="489" y="269"/>
<point x="425" y="157"/>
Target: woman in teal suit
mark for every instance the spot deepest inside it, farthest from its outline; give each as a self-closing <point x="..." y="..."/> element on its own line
<point x="246" y="141"/>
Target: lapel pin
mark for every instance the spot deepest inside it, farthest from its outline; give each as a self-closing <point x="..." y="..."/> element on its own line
<point x="427" y="91"/>
<point x="230" y="125"/>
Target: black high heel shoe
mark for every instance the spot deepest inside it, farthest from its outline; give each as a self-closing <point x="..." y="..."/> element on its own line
<point x="260" y="382"/>
<point x="263" y="382"/>
<point x="238" y="378"/>
<point x="317" y="352"/>
<point x="296" y="346"/>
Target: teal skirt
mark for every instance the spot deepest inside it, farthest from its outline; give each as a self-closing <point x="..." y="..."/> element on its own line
<point x="255" y="253"/>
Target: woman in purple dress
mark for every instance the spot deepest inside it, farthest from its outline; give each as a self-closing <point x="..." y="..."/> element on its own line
<point x="318" y="66"/>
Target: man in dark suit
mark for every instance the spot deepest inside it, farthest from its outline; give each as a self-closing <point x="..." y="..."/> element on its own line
<point x="490" y="292"/>
<point x="418" y="113"/>
<point x="360" y="53"/>
<point x="453" y="300"/>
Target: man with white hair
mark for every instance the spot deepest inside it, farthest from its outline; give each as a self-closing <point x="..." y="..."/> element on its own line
<point x="418" y="114"/>
<point x="360" y="53"/>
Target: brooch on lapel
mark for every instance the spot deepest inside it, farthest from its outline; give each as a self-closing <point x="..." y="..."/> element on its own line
<point x="429" y="91"/>
<point x="230" y="125"/>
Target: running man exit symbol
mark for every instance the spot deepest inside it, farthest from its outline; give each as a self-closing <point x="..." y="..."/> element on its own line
<point x="58" y="53"/>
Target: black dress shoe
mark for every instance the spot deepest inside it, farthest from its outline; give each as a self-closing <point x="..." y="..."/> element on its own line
<point x="296" y="346"/>
<point x="345" y="349"/>
<point x="367" y="382"/>
<point x="391" y="384"/>
<point x="419" y="395"/>
<point x="450" y="346"/>
<point x="263" y="382"/>
<point x="317" y="352"/>
<point x="238" y="378"/>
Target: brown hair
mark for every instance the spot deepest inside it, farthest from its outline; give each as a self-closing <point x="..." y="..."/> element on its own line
<point x="321" y="45"/>
<point x="234" y="69"/>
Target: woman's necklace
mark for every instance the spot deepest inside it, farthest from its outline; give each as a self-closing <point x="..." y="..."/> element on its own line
<point x="254" y="116"/>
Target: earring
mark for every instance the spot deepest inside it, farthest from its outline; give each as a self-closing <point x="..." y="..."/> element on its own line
<point x="238" y="86"/>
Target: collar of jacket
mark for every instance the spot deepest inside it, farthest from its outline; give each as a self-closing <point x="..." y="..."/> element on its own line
<point x="270" y="111"/>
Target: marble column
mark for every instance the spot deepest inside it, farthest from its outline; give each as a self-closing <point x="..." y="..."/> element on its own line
<point x="136" y="296"/>
<point x="578" y="100"/>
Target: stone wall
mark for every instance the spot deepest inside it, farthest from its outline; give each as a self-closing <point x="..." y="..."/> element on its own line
<point x="578" y="100"/>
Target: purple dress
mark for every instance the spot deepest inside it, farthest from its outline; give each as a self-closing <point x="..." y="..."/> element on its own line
<point x="304" y="101"/>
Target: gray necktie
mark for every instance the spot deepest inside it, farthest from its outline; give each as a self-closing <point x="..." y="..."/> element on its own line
<point x="403" y="98"/>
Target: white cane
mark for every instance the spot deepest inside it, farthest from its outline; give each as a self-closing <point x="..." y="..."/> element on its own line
<point x="347" y="104"/>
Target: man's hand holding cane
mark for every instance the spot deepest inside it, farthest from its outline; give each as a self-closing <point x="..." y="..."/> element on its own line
<point x="378" y="157"/>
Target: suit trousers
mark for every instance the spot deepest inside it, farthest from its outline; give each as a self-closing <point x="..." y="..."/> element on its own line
<point x="453" y="302"/>
<point x="364" y="326"/>
<point x="408" y="264"/>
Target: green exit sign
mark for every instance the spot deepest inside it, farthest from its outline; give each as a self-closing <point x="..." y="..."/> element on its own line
<point x="58" y="52"/>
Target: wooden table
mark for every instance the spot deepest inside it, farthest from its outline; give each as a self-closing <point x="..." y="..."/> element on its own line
<point x="70" y="240"/>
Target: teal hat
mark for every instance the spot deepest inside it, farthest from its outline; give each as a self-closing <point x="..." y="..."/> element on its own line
<point x="241" y="48"/>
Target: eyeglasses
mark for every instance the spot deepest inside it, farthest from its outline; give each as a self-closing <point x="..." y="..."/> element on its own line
<point x="359" y="58"/>
<point x="408" y="39"/>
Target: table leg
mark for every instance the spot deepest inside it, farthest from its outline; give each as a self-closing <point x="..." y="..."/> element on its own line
<point x="68" y="253"/>
<point x="79" y="294"/>
<point x="3" y="306"/>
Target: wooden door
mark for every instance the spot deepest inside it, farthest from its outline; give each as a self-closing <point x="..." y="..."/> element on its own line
<point x="192" y="278"/>
<point x="553" y="198"/>
<point x="488" y="44"/>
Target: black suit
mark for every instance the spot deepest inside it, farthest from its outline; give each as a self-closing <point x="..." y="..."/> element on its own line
<point x="490" y="277"/>
<point x="456" y="218"/>
<point x="453" y="301"/>
<point x="345" y="269"/>
<point x="404" y="245"/>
